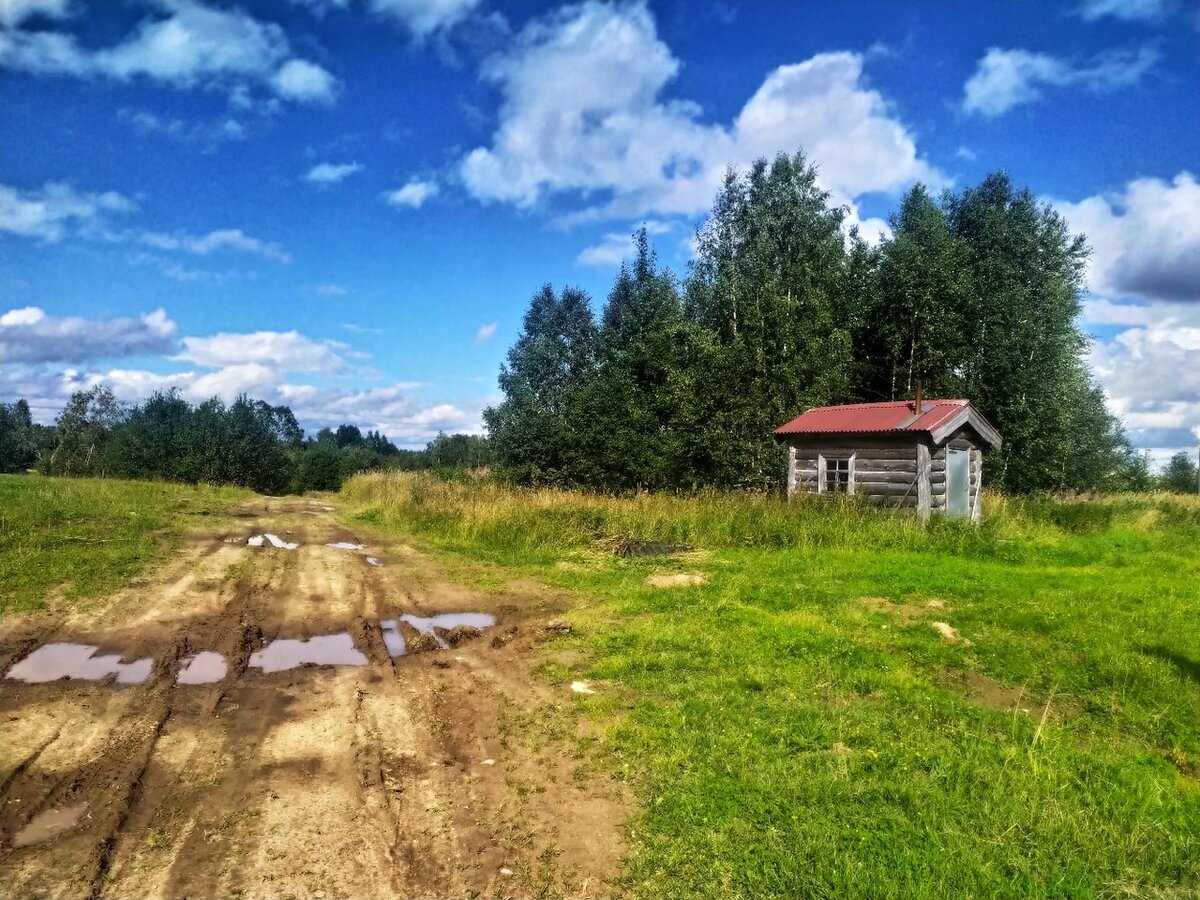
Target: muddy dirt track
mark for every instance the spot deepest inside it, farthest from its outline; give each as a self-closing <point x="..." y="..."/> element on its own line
<point x="406" y="776"/>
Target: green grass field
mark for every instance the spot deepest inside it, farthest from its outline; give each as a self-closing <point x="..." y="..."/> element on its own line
<point x="796" y="727"/>
<point x="73" y="539"/>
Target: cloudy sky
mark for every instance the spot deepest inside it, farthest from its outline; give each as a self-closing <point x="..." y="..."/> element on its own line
<point x="345" y="205"/>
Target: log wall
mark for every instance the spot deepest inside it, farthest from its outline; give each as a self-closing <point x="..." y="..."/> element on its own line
<point x="886" y="469"/>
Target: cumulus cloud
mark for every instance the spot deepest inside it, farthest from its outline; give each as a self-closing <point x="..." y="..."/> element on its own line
<point x="1151" y="373"/>
<point x="1128" y="10"/>
<point x="425" y="17"/>
<point x="221" y="239"/>
<point x="15" y="12"/>
<point x="582" y="114"/>
<point x="413" y="195"/>
<point x="185" y="44"/>
<point x="1007" y="78"/>
<point x="49" y="213"/>
<point x="1145" y="238"/>
<point x="304" y="82"/>
<point x="29" y="335"/>
<point x="332" y="173"/>
<point x="287" y="351"/>
<point x="486" y="332"/>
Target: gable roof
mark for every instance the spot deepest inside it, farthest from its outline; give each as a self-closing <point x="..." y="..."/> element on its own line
<point x="938" y="418"/>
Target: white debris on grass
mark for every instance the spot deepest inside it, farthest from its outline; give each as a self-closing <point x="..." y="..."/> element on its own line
<point x="276" y="541"/>
<point x="582" y="687"/>
<point x="345" y="545"/>
<point x="489" y="762"/>
<point x="372" y="561"/>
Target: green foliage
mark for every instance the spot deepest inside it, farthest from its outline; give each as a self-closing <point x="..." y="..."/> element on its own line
<point x="78" y="538"/>
<point x="975" y="297"/>
<point x="552" y="359"/>
<point x="1180" y="474"/>
<point x="795" y="727"/>
<point x="21" y="441"/>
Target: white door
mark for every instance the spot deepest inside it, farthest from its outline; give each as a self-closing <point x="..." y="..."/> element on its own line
<point x="958" y="479"/>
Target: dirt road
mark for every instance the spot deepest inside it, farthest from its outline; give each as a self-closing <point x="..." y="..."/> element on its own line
<point x="417" y="775"/>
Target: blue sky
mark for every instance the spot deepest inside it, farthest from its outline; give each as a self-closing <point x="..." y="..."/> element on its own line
<point x="345" y="205"/>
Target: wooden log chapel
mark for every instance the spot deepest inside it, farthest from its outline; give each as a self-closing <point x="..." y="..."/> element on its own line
<point x="926" y="455"/>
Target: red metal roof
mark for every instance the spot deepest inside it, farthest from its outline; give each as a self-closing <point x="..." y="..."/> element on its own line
<point x="874" y="417"/>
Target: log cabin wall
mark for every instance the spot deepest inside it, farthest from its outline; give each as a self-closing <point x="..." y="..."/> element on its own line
<point x="885" y="468"/>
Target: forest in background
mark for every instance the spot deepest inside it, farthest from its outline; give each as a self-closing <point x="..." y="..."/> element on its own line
<point x="678" y="383"/>
<point x="248" y="443"/>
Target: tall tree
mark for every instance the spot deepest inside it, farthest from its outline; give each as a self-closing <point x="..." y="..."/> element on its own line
<point x="1024" y="362"/>
<point x="768" y="286"/>
<point x="85" y="427"/>
<point x="922" y="308"/>
<point x="554" y="357"/>
<point x="626" y="415"/>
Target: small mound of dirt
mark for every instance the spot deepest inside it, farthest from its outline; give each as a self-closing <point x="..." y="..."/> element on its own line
<point x="503" y="638"/>
<point x="678" y="579"/>
<point x="558" y="626"/>
<point x="460" y="634"/>
<point x="421" y="642"/>
<point x="632" y="547"/>
<point x="949" y="633"/>
<point x="905" y="612"/>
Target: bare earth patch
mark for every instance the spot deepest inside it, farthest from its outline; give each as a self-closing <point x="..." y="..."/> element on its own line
<point x="678" y="579"/>
<point x="362" y="780"/>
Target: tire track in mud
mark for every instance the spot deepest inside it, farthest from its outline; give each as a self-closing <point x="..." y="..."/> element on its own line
<point x="354" y="781"/>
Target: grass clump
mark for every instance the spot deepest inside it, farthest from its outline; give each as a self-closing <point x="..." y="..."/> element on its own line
<point x="82" y="537"/>
<point x="795" y="725"/>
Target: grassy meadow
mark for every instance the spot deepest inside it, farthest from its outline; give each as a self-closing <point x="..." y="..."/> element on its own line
<point x="75" y="538"/>
<point x="797" y="726"/>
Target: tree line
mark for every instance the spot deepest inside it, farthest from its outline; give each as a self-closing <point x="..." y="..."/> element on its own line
<point x="248" y="443"/>
<point x="679" y="382"/>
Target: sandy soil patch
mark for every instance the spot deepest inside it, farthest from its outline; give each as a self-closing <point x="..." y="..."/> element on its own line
<point x="677" y="579"/>
<point x="216" y="776"/>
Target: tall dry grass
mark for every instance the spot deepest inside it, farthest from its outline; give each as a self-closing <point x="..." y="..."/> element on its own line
<point x="484" y="513"/>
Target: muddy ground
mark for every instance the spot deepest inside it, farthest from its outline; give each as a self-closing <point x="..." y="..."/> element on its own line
<point x="423" y="775"/>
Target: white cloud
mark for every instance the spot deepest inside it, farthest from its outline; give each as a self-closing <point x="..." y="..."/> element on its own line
<point x="486" y="332"/>
<point x="285" y="351"/>
<point x="49" y="213"/>
<point x="609" y="253"/>
<point x="185" y="44"/>
<point x="1129" y="10"/>
<point x="1008" y="78"/>
<point x="15" y="12"/>
<point x="304" y="82"/>
<point x="1145" y="239"/>
<point x="332" y="173"/>
<point x="221" y="239"/>
<point x="413" y="195"/>
<point x="332" y="289"/>
<point x="425" y="17"/>
<point x="28" y="335"/>
<point x="583" y="114"/>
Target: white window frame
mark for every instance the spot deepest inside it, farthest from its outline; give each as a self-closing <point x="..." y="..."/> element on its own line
<point x="823" y="484"/>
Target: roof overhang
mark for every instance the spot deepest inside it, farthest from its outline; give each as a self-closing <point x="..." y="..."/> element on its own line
<point x="967" y="416"/>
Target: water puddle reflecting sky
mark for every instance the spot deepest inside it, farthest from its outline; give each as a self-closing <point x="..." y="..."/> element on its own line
<point x="48" y="824"/>
<point x="446" y="621"/>
<point x="319" y="650"/>
<point x="51" y="662"/>
<point x="204" y="667"/>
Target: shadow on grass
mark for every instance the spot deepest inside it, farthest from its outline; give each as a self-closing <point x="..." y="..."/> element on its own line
<point x="1188" y="666"/>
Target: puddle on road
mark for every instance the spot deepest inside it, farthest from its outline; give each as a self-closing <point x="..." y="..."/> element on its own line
<point x="345" y="545"/>
<point x="372" y="561"/>
<point x="48" y="824"/>
<point x="320" y="650"/>
<point x="51" y="662"/>
<point x="446" y="621"/>
<point x="204" y="667"/>
<point x="276" y="541"/>
<point x="393" y="638"/>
